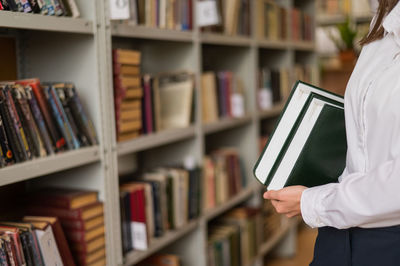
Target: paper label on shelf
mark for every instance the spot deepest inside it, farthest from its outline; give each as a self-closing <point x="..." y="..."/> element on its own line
<point x="265" y="99"/>
<point x="207" y="13"/>
<point x="119" y="9"/>
<point x="139" y="236"/>
<point x="237" y="102"/>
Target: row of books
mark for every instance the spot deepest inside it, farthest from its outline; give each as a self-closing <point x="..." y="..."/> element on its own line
<point x="149" y="103"/>
<point x="223" y="95"/>
<point x="272" y="22"/>
<point x="168" y="198"/>
<point x="333" y="7"/>
<point x="306" y="73"/>
<point x="64" y="227"/>
<point x="234" y="238"/>
<point x="164" y="14"/>
<point x="302" y="25"/>
<point x="44" y="7"/>
<point x="234" y="18"/>
<point x="37" y="120"/>
<point x="274" y="87"/>
<point x="161" y="200"/>
<point x="223" y="177"/>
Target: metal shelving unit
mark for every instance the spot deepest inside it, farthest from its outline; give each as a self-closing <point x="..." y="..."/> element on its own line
<point x="86" y="44"/>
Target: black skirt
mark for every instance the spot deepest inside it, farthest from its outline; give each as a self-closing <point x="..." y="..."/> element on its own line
<point x="357" y="247"/>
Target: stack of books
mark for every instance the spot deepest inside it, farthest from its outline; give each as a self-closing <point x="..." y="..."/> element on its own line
<point x="128" y="93"/>
<point x="162" y="200"/>
<point x="274" y="87"/>
<point x="272" y="20"/>
<point x="302" y="25"/>
<point x="44" y="7"/>
<point x="234" y="18"/>
<point x="168" y="101"/>
<point x="223" y="95"/>
<point x="82" y="220"/>
<point x="37" y="120"/>
<point x="222" y="177"/>
<point x="234" y="238"/>
<point x="163" y="14"/>
<point x="161" y="260"/>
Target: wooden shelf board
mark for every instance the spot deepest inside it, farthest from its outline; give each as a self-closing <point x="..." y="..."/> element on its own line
<point x="235" y="200"/>
<point x="121" y="29"/>
<point x="26" y="21"/>
<point x="156" y="244"/>
<point x="273" y="112"/>
<point x="145" y="142"/>
<point x="273" y="44"/>
<point x="277" y="237"/>
<point x="304" y="45"/>
<point x="226" y="123"/>
<point x="48" y="165"/>
<point x="222" y="39"/>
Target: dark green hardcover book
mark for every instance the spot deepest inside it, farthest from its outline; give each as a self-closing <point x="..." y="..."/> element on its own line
<point x="308" y="145"/>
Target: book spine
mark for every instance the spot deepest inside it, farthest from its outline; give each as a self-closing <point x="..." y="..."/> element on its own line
<point x="73" y="214"/>
<point x="37" y="115"/>
<point x="59" y="142"/>
<point x="57" y="116"/>
<point x="6" y="152"/>
<point x="35" y="6"/>
<point x="74" y="8"/>
<point x="73" y="224"/>
<point x="79" y="134"/>
<point x="16" y="147"/>
<point x="26" y="248"/>
<point x="58" y="10"/>
<point x="26" y="6"/>
<point x="83" y="122"/>
<point x="67" y="126"/>
<point x="21" y="138"/>
<point x="26" y="121"/>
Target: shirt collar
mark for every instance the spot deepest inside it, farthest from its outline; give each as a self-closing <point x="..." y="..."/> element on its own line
<point x="391" y="22"/>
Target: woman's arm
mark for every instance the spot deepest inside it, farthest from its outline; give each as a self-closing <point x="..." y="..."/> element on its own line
<point x="369" y="199"/>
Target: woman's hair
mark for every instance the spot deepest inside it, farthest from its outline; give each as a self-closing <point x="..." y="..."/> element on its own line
<point x="385" y="6"/>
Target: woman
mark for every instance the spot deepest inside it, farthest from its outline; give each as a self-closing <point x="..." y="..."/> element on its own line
<point x="359" y="217"/>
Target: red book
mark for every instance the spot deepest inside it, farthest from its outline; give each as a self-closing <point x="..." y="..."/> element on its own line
<point x="64" y="198"/>
<point x="88" y="247"/>
<point x="58" y="140"/>
<point x="12" y="232"/>
<point x="83" y="213"/>
<point x="138" y="215"/>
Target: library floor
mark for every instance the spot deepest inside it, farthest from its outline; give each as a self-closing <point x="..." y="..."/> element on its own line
<point x="305" y="249"/>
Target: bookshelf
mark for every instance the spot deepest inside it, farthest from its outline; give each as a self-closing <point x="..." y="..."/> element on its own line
<point x="79" y="50"/>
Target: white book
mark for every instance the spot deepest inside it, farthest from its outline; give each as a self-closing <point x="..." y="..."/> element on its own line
<point x="48" y="247"/>
<point x="119" y="9"/>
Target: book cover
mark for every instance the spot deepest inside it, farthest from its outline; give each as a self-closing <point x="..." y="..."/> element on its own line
<point x="303" y="123"/>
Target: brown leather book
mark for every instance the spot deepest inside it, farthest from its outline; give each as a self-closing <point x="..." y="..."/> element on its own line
<point x="83" y="225"/>
<point x="64" y="198"/>
<point x="125" y="56"/>
<point x="84" y="236"/>
<point x="83" y="213"/>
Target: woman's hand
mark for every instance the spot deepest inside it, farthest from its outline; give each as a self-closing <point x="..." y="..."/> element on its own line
<point x="286" y="200"/>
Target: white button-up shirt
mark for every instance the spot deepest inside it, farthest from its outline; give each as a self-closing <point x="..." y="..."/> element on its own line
<point x="368" y="194"/>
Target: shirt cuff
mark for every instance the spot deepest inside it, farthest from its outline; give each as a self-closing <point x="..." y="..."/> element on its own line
<point x="310" y="199"/>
